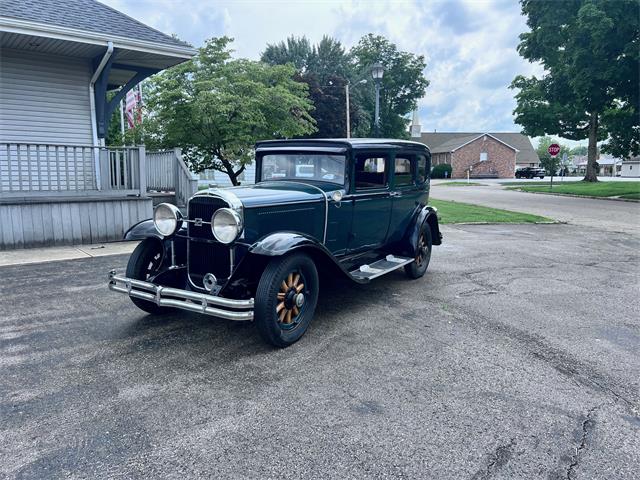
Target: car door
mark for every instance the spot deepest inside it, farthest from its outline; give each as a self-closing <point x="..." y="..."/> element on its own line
<point x="405" y="194"/>
<point x="370" y="199"/>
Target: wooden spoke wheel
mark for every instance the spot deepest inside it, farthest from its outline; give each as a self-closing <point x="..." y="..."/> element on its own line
<point x="418" y="267"/>
<point x="422" y="250"/>
<point x="291" y="299"/>
<point x="286" y="299"/>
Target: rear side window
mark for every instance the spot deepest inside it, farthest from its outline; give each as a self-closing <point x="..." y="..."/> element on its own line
<point x="370" y="172"/>
<point x="402" y="171"/>
<point x="423" y="169"/>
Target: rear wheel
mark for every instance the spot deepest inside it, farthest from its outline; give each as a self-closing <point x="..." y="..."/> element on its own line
<point x="286" y="299"/>
<point x="418" y="267"/>
<point x="144" y="263"/>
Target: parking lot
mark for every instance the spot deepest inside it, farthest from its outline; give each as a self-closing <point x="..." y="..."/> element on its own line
<point x="517" y="356"/>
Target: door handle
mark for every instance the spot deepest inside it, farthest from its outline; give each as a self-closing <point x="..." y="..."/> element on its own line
<point x="395" y="194"/>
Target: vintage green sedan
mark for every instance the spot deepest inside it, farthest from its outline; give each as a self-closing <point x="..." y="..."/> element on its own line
<point x="355" y="208"/>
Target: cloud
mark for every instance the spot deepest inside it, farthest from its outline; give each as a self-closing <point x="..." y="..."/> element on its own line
<point x="469" y="45"/>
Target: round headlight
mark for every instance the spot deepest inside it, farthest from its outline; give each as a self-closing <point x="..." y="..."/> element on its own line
<point x="226" y="225"/>
<point x="167" y="219"/>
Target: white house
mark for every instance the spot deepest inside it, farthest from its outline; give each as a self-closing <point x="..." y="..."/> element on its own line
<point x="58" y="60"/>
<point x="631" y="167"/>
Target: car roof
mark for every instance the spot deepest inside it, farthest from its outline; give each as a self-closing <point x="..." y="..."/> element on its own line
<point x="340" y="143"/>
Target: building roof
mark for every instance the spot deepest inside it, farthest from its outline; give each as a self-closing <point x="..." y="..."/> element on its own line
<point x="445" y="142"/>
<point x="85" y="15"/>
<point x="339" y="143"/>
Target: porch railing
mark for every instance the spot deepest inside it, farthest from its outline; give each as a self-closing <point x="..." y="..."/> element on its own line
<point x="35" y="169"/>
<point x="167" y="172"/>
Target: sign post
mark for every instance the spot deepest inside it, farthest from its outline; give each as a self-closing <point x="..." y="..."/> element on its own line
<point x="554" y="150"/>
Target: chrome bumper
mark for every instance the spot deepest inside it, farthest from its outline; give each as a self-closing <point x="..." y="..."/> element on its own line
<point x="174" y="297"/>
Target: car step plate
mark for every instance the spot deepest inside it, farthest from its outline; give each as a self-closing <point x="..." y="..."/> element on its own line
<point x="380" y="267"/>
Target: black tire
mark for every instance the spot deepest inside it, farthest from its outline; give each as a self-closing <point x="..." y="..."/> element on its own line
<point x="143" y="263"/>
<point x="418" y="267"/>
<point x="542" y="177"/>
<point x="279" y="285"/>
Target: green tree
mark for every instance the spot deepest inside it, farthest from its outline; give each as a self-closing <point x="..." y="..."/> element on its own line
<point x="216" y="108"/>
<point x="326" y="69"/>
<point x="589" y="49"/>
<point x="403" y="84"/>
<point x="580" y="150"/>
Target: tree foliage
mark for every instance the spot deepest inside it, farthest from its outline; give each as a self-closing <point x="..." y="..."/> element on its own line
<point x="216" y="108"/>
<point x="403" y="84"/>
<point x="589" y="49"/>
<point x="327" y="67"/>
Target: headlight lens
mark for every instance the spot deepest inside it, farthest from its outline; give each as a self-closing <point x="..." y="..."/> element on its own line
<point x="167" y="219"/>
<point x="226" y="225"/>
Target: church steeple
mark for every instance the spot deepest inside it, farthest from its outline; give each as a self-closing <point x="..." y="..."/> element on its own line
<point x="416" y="128"/>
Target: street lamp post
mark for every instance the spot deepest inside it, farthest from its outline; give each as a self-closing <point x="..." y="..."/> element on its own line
<point x="377" y="70"/>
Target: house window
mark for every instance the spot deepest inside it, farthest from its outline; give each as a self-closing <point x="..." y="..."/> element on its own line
<point x="483" y="156"/>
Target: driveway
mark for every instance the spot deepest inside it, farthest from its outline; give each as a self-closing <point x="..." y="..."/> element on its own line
<point x="611" y="215"/>
<point x="517" y="356"/>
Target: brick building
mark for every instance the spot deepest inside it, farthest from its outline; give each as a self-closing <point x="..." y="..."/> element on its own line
<point x="486" y="154"/>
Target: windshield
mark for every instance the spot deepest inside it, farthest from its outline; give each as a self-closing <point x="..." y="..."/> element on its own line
<point x="304" y="166"/>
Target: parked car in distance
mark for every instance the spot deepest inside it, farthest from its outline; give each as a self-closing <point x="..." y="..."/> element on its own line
<point x="354" y="208"/>
<point x="530" y="172"/>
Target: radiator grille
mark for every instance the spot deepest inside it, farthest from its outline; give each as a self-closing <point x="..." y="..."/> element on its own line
<point x="206" y="255"/>
<point x="206" y="258"/>
<point x="203" y="208"/>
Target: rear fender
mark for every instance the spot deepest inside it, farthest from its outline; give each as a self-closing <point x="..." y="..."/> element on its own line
<point x="429" y="216"/>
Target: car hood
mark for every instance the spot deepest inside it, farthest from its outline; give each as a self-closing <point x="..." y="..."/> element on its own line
<point x="279" y="192"/>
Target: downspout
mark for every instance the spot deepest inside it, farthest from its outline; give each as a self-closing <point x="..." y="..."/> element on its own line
<point x="92" y="103"/>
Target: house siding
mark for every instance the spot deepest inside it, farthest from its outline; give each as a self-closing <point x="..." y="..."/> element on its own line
<point x="44" y="99"/>
<point x="69" y="222"/>
<point x="501" y="159"/>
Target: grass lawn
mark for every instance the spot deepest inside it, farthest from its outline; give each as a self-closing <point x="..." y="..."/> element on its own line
<point x="597" y="189"/>
<point x="463" y="184"/>
<point x="455" y="212"/>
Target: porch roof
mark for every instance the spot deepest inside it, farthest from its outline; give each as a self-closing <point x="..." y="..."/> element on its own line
<point x="83" y="28"/>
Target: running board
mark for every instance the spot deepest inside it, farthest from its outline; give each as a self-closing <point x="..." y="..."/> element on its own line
<point x="380" y="267"/>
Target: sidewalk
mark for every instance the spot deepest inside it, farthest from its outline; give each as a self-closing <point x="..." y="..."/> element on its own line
<point x="54" y="254"/>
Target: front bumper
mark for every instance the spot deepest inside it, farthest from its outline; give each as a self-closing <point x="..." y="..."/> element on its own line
<point x="227" y="308"/>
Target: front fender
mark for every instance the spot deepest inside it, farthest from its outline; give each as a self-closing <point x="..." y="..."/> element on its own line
<point x="277" y="244"/>
<point x="146" y="229"/>
<point x="142" y="230"/>
<point x="281" y="243"/>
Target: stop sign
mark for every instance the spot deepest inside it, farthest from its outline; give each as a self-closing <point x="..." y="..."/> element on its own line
<point x="554" y="149"/>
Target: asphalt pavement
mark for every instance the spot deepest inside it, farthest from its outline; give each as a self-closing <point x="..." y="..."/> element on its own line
<point x="517" y="356"/>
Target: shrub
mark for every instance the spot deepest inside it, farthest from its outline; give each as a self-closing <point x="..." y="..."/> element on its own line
<point x="439" y="170"/>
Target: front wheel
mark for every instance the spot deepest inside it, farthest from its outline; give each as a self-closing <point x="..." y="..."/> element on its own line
<point x="418" y="267"/>
<point x="286" y="299"/>
<point x="145" y="262"/>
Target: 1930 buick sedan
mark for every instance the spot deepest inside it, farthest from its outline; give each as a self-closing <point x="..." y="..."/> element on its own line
<point x="355" y="208"/>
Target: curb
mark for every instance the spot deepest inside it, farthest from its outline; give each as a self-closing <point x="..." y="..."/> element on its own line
<point x="613" y="199"/>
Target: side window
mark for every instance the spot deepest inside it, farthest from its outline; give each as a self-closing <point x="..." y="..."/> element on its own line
<point x="370" y="172"/>
<point x="423" y="169"/>
<point x="402" y="171"/>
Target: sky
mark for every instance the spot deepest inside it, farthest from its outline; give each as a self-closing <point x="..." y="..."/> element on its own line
<point x="469" y="45"/>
